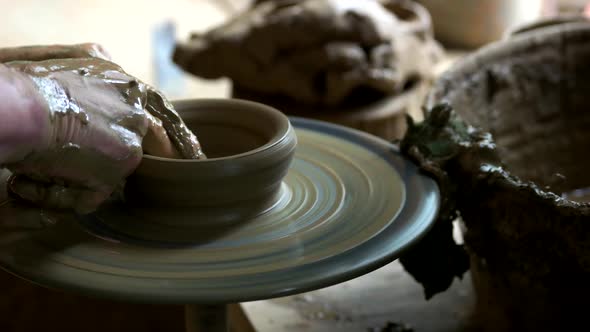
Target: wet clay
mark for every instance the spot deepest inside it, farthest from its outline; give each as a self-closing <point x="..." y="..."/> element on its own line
<point x="315" y="52"/>
<point x="44" y="63"/>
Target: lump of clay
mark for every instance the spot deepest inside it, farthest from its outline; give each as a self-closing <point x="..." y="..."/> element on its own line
<point x="313" y="51"/>
<point x="167" y="135"/>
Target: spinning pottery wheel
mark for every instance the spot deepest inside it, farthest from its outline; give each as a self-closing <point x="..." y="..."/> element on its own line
<point x="350" y="204"/>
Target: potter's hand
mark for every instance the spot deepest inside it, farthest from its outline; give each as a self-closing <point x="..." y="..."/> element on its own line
<point x="83" y="121"/>
<point x="87" y="131"/>
<point x="167" y="134"/>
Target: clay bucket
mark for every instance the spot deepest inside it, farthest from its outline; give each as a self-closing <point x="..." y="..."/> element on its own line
<point x="249" y="148"/>
<point x="383" y="117"/>
<point x="529" y="246"/>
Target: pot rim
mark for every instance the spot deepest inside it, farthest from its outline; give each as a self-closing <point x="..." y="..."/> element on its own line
<point x="487" y="54"/>
<point x="280" y="135"/>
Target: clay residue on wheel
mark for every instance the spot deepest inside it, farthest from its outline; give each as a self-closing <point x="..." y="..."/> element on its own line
<point x="318" y="52"/>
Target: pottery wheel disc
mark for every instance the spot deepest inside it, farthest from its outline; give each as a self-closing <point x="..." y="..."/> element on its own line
<point x="350" y="204"/>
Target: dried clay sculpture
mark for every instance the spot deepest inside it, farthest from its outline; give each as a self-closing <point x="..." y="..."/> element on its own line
<point x="316" y="52"/>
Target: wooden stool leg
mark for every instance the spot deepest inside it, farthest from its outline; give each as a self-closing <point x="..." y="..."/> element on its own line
<point x="206" y="318"/>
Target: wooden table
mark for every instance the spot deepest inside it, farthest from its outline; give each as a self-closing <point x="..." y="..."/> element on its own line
<point x="367" y="303"/>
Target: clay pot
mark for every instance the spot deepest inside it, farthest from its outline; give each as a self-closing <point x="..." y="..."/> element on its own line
<point x="249" y="148"/>
<point x="546" y="22"/>
<point x="529" y="247"/>
<point x="384" y="116"/>
<point x="471" y="24"/>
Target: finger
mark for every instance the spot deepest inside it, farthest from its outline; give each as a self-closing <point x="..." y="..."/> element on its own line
<point x="48" y="52"/>
<point x="25" y="124"/>
<point x="180" y="135"/>
<point x="156" y="142"/>
<point x="57" y="196"/>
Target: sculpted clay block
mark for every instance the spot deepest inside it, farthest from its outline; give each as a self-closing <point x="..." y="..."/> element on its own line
<point x="316" y="52"/>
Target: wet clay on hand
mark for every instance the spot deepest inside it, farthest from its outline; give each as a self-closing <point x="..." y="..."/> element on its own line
<point x="312" y="51"/>
<point x="167" y="135"/>
<point x="94" y="123"/>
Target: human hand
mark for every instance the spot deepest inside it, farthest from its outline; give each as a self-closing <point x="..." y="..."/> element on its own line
<point x="90" y="123"/>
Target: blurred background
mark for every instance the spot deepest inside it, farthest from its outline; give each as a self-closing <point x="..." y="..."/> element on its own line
<point x="129" y="29"/>
<point x="126" y="28"/>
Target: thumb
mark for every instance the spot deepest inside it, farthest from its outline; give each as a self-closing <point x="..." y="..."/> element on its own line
<point x="156" y="141"/>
